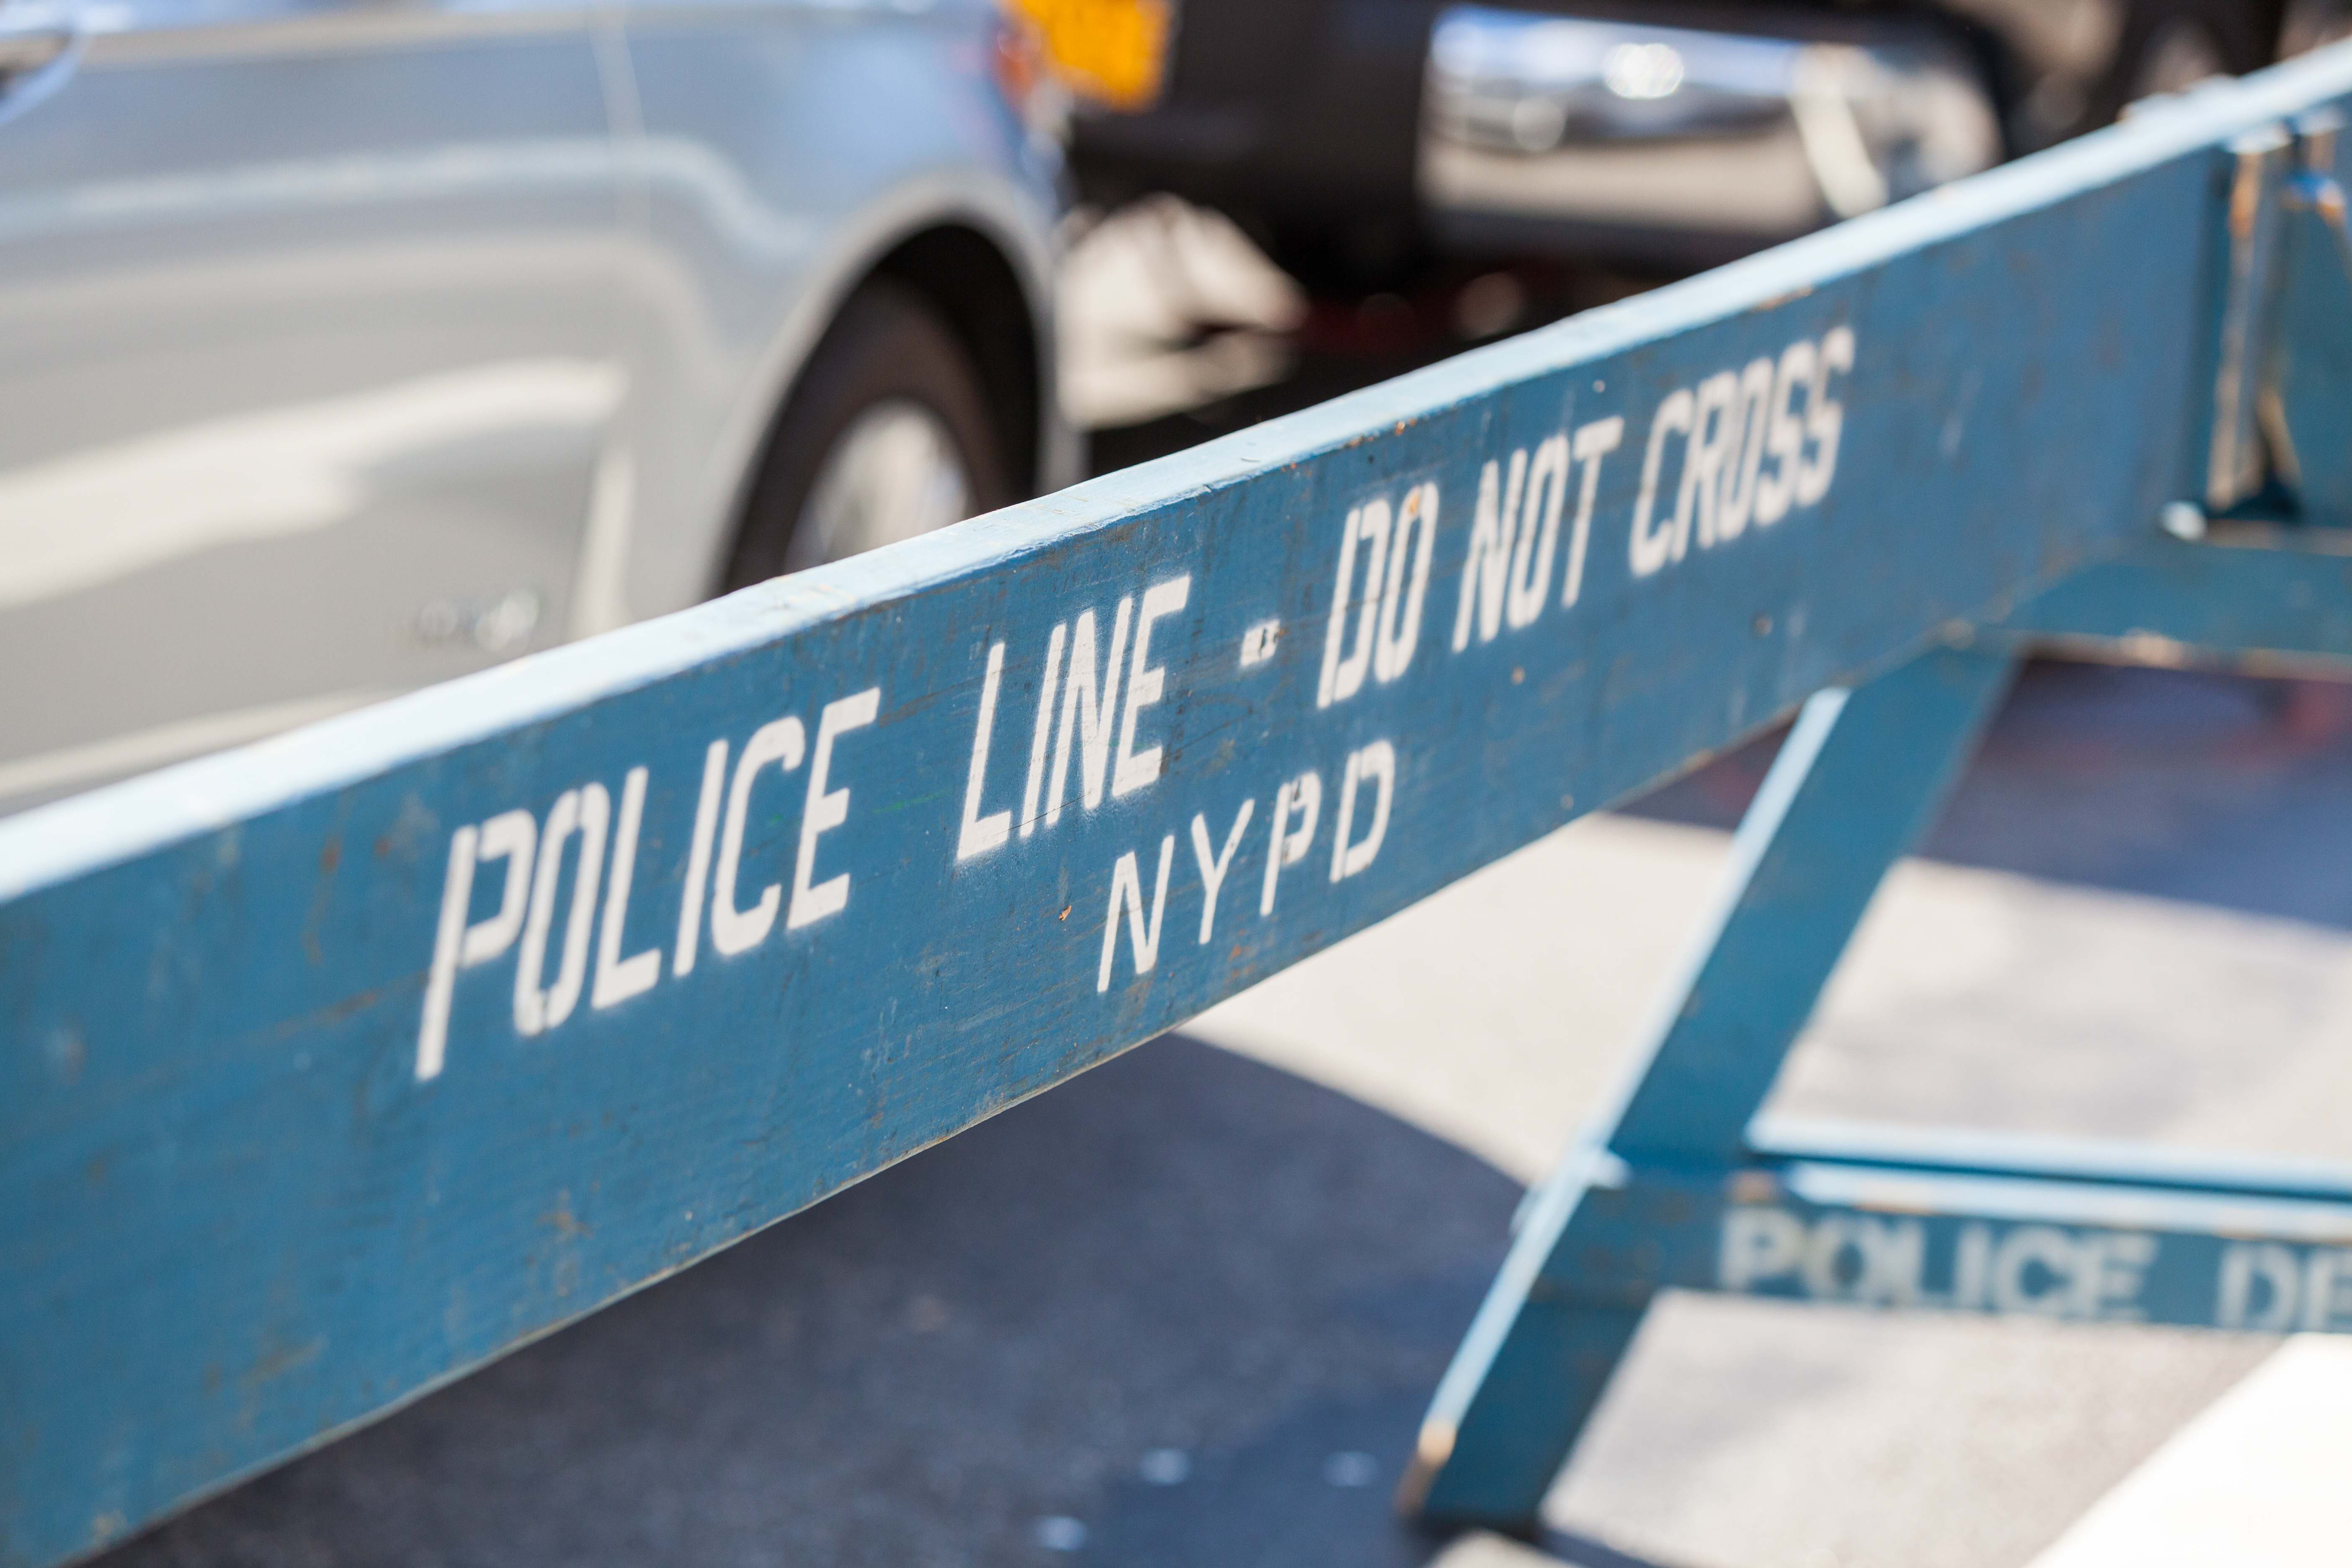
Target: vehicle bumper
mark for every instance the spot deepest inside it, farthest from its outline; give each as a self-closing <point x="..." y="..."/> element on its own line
<point x="1572" y="133"/>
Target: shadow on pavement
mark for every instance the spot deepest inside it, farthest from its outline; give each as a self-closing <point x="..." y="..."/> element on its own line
<point x="1182" y="1253"/>
<point x="2208" y="788"/>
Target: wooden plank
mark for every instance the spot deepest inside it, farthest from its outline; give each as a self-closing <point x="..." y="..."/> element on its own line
<point x="1960" y="1239"/>
<point x="2261" y="598"/>
<point x="261" y="1187"/>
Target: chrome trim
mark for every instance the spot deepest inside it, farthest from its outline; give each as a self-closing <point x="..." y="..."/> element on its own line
<point x="1592" y="121"/>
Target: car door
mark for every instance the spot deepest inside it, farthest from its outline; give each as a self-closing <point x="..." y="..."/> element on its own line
<point x="307" y="356"/>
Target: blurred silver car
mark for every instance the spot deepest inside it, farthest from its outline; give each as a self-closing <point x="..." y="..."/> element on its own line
<point x="352" y="345"/>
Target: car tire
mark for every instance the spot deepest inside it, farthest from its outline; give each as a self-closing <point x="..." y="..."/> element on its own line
<point x="886" y="434"/>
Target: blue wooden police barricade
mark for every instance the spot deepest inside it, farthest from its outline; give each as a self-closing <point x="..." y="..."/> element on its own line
<point x="340" y="1065"/>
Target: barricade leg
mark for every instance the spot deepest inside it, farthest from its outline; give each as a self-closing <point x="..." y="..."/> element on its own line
<point x="1860" y="774"/>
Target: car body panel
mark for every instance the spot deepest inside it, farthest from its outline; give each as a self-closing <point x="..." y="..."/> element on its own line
<point x="284" y="417"/>
<point x="742" y="249"/>
<point x="352" y="346"/>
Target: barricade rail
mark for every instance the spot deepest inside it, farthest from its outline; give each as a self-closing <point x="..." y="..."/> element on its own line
<point x="342" y="1064"/>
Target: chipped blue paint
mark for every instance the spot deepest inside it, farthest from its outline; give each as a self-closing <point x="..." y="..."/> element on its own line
<point x="321" y="1089"/>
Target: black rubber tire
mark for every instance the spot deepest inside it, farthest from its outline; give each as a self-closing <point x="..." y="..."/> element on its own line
<point x="889" y="341"/>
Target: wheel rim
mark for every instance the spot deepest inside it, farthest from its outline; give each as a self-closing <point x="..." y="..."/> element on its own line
<point x="893" y="473"/>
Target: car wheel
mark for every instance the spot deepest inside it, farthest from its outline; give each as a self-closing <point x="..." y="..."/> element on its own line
<point x="886" y="436"/>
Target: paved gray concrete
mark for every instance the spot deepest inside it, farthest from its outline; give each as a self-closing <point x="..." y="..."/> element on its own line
<point x="1750" y="1433"/>
<point x="1184" y="1255"/>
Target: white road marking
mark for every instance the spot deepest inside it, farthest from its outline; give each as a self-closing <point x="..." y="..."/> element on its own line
<point x="2258" y="1478"/>
<point x="1483" y="1549"/>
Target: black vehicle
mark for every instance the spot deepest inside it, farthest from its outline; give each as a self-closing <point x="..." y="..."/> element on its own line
<point x="1360" y="140"/>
